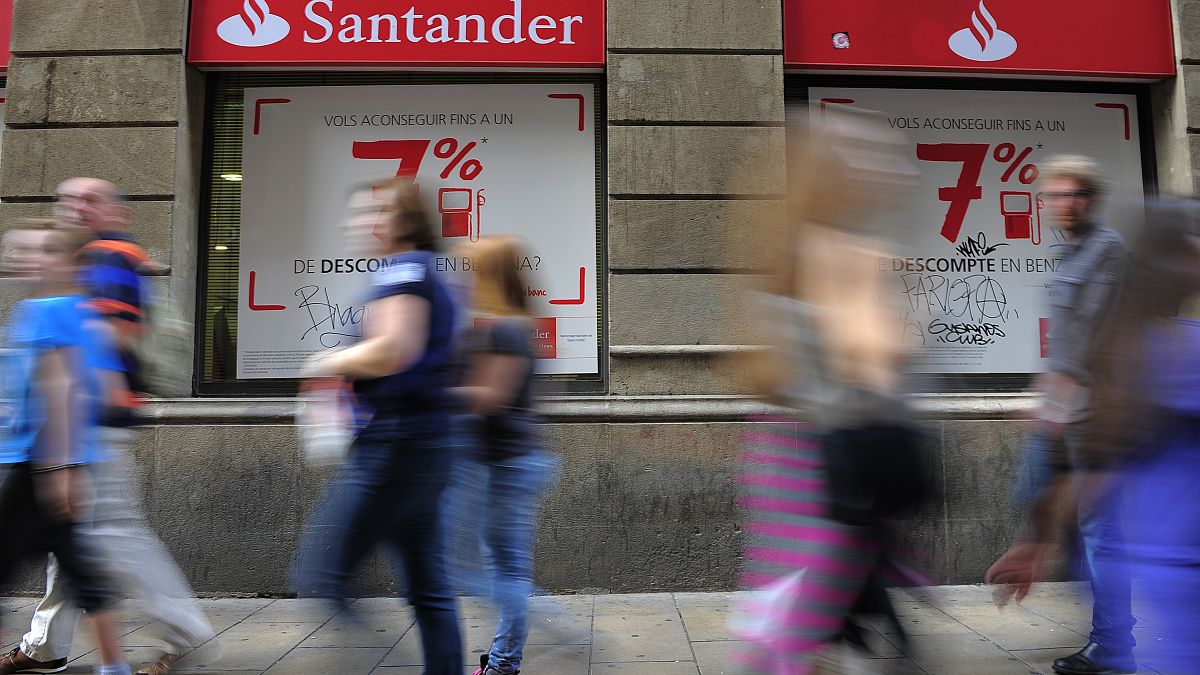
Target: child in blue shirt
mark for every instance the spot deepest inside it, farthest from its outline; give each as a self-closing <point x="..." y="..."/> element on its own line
<point x="55" y="369"/>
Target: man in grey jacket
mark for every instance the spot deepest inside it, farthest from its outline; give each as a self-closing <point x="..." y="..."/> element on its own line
<point x="1094" y="261"/>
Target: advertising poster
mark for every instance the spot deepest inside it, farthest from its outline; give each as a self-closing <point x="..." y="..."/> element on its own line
<point x="979" y="248"/>
<point x="488" y="159"/>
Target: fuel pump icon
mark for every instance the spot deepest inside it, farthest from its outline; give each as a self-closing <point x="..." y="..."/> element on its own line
<point x="1018" y="211"/>
<point x="461" y="210"/>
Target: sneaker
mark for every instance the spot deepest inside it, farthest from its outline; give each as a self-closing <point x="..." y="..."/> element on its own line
<point x="16" y="662"/>
<point x="163" y="665"/>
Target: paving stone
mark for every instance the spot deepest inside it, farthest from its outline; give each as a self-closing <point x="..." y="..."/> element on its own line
<point x="564" y="629"/>
<point x="919" y="618"/>
<point x="635" y="603"/>
<point x="1014" y="627"/>
<point x="963" y="654"/>
<point x="557" y="659"/>
<point x="639" y="638"/>
<point x="707" y="623"/>
<point x="407" y="651"/>
<point x="321" y="661"/>
<point x="364" y="630"/>
<point x="1073" y="612"/>
<point x="249" y="645"/>
<point x="550" y="604"/>
<point x="683" y="600"/>
<point x="306" y="610"/>
<point x="475" y="608"/>
<point x="714" y="658"/>
<point x="655" y="668"/>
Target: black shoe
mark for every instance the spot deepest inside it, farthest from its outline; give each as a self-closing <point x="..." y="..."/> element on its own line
<point x="1093" y="660"/>
<point x="485" y="670"/>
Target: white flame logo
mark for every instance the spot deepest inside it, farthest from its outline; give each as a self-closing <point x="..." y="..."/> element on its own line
<point x="983" y="40"/>
<point x="256" y="26"/>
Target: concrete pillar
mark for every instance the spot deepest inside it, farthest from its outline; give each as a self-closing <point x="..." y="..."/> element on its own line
<point x="100" y="88"/>
<point x="1176" y="105"/>
<point x="695" y="146"/>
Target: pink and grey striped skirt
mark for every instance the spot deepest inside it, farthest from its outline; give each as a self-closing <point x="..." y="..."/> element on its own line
<point x="783" y="500"/>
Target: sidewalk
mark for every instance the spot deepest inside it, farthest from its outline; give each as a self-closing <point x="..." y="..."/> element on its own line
<point x="954" y="630"/>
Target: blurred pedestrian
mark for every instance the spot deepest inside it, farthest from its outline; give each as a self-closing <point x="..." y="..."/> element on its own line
<point x="57" y="366"/>
<point x="137" y="560"/>
<point x="817" y="496"/>
<point x="114" y="261"/>
<point x="399" y="464"/>
<point x="503" y="440"/>
<point x="1084" y="288"/>
<point x="1146" y="398"/>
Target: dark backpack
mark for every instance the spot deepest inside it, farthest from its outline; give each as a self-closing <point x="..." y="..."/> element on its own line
<point x="875" y="472"/>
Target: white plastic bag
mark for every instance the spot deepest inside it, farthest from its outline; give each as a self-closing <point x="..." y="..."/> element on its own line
<point x="325" y="425"/>
<point x="763" y="617"/>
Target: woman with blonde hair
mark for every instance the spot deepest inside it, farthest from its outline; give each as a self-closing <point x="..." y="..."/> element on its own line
<point x="503" y="440"/>
<point x="817" y="495"/>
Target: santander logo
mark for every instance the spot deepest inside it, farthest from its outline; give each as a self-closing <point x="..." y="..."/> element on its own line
<point x="256" y="26"/>
<point x="983" y="40"/>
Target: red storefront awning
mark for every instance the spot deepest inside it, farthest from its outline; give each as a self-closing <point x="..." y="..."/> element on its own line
<point x="6" y="13"/>
<point x="346" y="33"/>
<point x="1096" y="39"/>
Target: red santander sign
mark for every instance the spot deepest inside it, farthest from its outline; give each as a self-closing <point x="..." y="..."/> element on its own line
<point x="532" y="33"/>
<point x="1099" y="38"/>
<point x="6" y="12"/>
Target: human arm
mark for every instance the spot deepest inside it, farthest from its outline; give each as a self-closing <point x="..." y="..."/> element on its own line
<point x="1093" y="295"/>
<point x="493" y="381"/>
<point x="397" y="329"/>
<point x="56" y="480"/>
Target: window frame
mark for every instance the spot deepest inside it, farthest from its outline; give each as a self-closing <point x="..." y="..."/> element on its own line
<point x="796" y="87"/>
<point x="223" y="89"/>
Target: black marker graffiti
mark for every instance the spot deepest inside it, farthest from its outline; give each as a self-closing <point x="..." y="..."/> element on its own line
<point x="965" y="333"/>
<point x="973" y="298"/>
<point x="977" y="246"/>
<point x="332" y="323"/>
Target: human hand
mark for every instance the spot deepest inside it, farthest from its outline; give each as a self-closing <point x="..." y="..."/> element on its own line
<point x="1014" y="573"/>
<point x="319" y="365"/>
<point x="59" y="493"/>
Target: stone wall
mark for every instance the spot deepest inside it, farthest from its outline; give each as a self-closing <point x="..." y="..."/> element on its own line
<point x="100" y="88"/>
<point x="644" y="503"/>
<point x="695" y="110"/>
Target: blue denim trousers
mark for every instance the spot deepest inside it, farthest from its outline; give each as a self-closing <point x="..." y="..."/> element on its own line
<point x="388" y="493"/>
<point x="1105" y="560"/>
<point x="514" y="488"/>
<point x="1164" y="543"/>
<point x="507" y="493"/>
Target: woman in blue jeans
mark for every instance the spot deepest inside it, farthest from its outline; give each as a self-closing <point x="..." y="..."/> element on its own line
<point x="505" y="451"/>
<point x="399" y="463"/>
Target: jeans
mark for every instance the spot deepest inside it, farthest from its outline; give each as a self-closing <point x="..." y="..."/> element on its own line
<point x="1106" y="562"/>
<point x="388" y="494"/>
<point x="1164" y="524"/>
<point x="510" y="490"/>
<point x="135" y="558"/>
